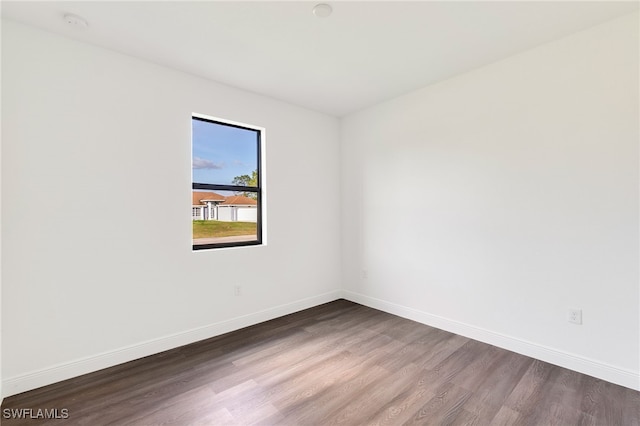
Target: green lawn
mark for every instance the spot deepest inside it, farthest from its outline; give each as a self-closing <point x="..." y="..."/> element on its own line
<point x="214" y="228"/>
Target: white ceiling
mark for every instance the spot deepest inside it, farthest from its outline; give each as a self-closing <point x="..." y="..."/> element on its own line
<point x="365" y="52"/>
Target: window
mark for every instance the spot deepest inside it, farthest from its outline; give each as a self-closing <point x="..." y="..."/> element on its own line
<point x="226" y="205"/>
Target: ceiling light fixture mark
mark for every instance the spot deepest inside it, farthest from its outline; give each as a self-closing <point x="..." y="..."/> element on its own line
<point x="322" y="10"/>
<point x="75" y="21"/>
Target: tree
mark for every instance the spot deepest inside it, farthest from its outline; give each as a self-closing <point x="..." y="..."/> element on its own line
<point x="246" y="180"/>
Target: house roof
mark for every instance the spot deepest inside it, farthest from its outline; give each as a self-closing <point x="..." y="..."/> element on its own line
<point x="239" y="200"/>
<point x="202" y="197"/>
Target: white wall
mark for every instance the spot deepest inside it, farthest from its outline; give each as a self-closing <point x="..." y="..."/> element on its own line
<point x="224" y="214"/>
<point x="84" y="127"/>
<point x="247" y="214"/>
<point x="490" y="203"/>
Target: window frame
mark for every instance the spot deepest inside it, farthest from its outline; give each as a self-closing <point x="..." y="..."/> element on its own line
<point x="234" y="188"/>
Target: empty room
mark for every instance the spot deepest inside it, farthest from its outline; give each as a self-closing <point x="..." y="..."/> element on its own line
<point x="421" y="212"/>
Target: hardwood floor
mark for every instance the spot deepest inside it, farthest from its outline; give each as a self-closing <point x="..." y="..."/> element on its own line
<point x="338" y="363"/>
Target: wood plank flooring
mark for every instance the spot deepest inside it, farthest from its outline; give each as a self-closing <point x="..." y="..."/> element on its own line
<point x="338" y="363"/>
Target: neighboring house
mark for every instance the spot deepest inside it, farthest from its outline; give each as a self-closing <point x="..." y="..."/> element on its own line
<point x="203" y="205"/>
<point x="212" y="206"/>
<point x="238" y="208"/>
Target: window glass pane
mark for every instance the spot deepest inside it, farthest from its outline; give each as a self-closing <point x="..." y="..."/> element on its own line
<point x="223" y="154"/>
<point x="225" y="204"/>
<point x="220" y="217"/>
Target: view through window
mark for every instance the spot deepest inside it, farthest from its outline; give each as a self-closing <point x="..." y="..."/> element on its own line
<point x="226" y="192"/>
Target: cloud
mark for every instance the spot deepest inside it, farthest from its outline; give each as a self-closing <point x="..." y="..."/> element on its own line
<point x="201" y="163"/>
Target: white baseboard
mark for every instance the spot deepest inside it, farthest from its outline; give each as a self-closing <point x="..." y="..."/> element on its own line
<point x="622" y="377"/>
<point x="56" y="373"/>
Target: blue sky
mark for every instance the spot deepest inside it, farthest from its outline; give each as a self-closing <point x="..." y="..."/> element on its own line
<point x="221" y="152"/>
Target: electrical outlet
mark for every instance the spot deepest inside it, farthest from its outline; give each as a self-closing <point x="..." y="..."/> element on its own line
<point x="237" y="290"/>
<point x="365" y="274"/>
<point x="574" y="316"/>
